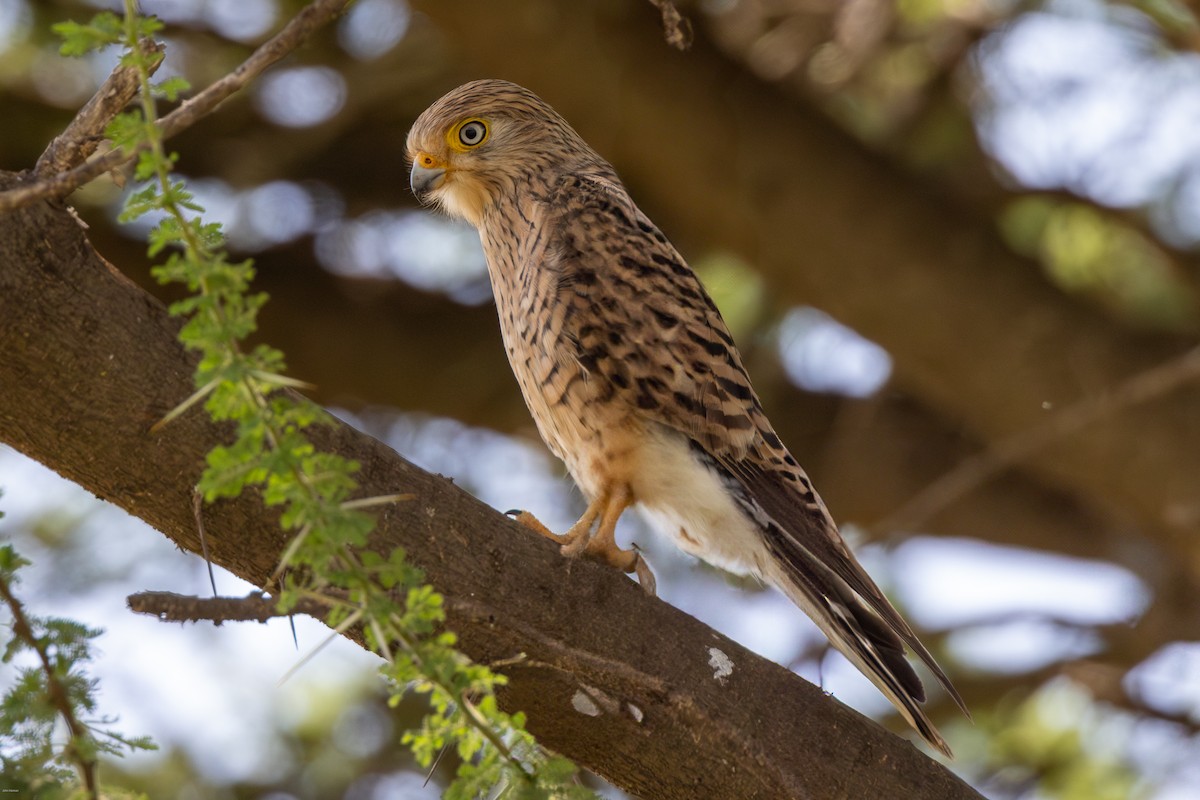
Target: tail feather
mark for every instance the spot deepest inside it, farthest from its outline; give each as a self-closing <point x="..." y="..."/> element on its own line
<point x="868" y="643"/>
<point x="813" y="566"/>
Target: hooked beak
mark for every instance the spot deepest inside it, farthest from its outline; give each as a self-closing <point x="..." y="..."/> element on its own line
<point x="424" y="180"/>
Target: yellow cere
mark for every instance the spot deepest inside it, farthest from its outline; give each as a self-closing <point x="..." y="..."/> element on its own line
<point x="456" y="143"/>
<point x="427" y="161"/>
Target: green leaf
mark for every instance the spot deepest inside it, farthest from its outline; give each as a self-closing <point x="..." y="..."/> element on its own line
<point x="172" y="87"/>
<point x="140" y="203"/>
<point x="148" y="26"/>
<point x="126" y="130"/>
<point x="10" y="561"/>
<point x="146" y="166"/>
<point x="104" y="29"/>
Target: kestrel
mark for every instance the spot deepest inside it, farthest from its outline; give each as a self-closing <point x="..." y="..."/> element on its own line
<point x="634" y="381"/>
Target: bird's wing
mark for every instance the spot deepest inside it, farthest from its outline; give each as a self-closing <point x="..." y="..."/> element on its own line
<point x="662" y="345"/>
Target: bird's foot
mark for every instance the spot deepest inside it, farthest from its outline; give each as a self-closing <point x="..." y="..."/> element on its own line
<point x="580" y="540"/>
<point x="606" y="551"/>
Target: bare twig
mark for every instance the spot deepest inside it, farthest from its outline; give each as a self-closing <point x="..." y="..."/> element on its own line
<point x="973" y="472"/>
<point x="677" y="29"/>
<point x="81" y="138"/>
<point x="292" y="36"/>
<point x="254" y="607"/>
<point x="59" y="696"/>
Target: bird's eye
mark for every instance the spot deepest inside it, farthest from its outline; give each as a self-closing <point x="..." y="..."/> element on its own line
<point x="472" y="134"/>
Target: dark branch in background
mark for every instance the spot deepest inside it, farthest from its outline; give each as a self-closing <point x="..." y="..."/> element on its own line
<point x="83" y="135"/>
<point x="191" y="111"/>
<point x="677" y="29"/>
<point x="973" y="472"/>
<point x="254" y="607"/>
<point x="1107" y="683"/>
<point x="59" y="696"/>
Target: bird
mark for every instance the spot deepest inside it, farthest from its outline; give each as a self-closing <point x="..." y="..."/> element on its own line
<point x="634" y="381"/>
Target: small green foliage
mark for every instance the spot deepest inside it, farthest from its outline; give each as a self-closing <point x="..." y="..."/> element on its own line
<point x="327" y="560"/>
<point x="1026" y="742"/>
<point x="1090" y="252"/>
<point x="104" y="29"/>
<point x="125" y="130"/>
<point x="171" y="88"/>
<point x="36" y="761"/>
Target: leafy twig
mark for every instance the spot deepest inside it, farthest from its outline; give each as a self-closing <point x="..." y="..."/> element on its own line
<point x="85" y="132"/>
<point x="56" y="689"/>
<point x="80" y="749"/>
<point x="295" y="33"/>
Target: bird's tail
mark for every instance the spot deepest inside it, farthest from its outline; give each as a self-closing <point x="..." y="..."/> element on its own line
<point x="812" y="565"/>
<point x="860" y="634"/>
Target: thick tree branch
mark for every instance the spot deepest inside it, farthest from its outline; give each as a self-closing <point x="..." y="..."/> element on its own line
<point x="91" y="362"/>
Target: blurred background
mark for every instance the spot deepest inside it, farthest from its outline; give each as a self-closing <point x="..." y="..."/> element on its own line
<point x="957" y="241"/>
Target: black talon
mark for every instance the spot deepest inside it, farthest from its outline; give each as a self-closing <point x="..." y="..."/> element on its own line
<point x="514" y="512"/>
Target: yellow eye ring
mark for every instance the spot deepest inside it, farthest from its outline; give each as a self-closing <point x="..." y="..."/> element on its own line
<point x="468" y="134"/>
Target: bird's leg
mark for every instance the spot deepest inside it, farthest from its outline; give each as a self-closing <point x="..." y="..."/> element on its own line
<point x="603" y="544"/>
<point x="609" y="506"/>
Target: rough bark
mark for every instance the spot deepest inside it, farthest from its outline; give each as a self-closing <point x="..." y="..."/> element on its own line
<point x="91" y="361"/>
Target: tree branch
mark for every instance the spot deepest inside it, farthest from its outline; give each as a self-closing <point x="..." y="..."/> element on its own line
<point x="254" y="607"/>
<point x="91" y="362"/>
<point x="298" y="29"/>
<point x="677" y="29"/>
<point x="85" y="132"/>
<point x="973" y="472"/>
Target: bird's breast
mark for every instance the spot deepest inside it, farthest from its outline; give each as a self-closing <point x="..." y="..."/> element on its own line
<point x="566" y="402"/>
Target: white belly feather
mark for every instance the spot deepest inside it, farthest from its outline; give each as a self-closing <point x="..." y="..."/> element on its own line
<point x="686" y="501"/>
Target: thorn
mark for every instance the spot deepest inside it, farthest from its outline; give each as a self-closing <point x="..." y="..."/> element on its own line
<point x="434" y="765"/>
<point x="197" y="505"/>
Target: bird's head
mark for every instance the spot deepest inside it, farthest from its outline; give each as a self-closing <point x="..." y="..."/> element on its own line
<point x="483" y="141"/>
